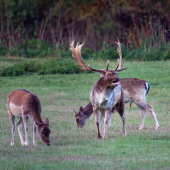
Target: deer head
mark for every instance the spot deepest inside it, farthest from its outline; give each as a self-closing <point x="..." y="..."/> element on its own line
<point x="109" y="77"/>
<point x="103" y="89"/>
<point x="44" y="131"/>
<point x="80" y="117"/>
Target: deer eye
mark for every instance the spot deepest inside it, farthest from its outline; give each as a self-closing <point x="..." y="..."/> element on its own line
<point x="77" y="120"/>
<point x="42" y="132"/>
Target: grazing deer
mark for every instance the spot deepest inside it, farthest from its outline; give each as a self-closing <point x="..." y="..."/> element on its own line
<point x="107" y="92"/>
<point x="24" y="104"/>
<point x="135" y="91"/>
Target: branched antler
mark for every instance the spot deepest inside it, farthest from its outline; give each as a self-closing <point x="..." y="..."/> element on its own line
<point x="76" y="53"/>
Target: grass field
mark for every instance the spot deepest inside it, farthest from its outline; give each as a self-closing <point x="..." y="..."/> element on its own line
<point x="73" y="148"/>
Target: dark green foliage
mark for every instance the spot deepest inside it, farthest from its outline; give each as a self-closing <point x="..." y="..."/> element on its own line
<point x="145" y="53"/>
<point x="38" y="29"/>
<point x="3" y="49"/>
<point x="48" y="66"/>
<point x="97" y="22"/>
<point x="33" y="48"/>
<point x="111" y="53"/>
<point x="12" y="71"/>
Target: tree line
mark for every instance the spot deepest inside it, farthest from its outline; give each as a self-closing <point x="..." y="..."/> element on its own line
<point x="96" y="22"/>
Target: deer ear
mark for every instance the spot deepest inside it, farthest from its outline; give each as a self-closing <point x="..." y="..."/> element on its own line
<point x="46" y="121"/>
<point x="81" y="109"/>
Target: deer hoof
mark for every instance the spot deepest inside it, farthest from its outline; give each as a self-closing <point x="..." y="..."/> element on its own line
<point x="34" y="143"/>
<point x="157" y="127"/>
<point x="26" y="143"/>
<point x="22" y="143"/>
<point x="99" y="137"/>
<point x="140" y="127"/>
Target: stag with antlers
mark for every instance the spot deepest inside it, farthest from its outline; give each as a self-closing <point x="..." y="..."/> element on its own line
<point x="106" y="93"/>
<point x="135" y="91"/>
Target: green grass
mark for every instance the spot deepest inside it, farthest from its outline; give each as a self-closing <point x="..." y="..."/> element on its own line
<point x="73" y="148"/>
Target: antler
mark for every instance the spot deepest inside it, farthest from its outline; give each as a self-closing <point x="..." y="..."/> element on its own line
<point x="120" y="54"/>
<point x="76" y="53"/>
<point x="119" y="66"/>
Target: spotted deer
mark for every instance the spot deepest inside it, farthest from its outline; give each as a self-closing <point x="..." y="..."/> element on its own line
<point x="106" y="93"/>
<point x="24" y="104"/>
<point x="135" y="91"/>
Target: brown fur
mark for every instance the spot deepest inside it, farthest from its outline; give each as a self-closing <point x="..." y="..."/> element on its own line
<point x="24" y="104"/>
<point x="132" y="86"/>
<point x="106" y="93"/>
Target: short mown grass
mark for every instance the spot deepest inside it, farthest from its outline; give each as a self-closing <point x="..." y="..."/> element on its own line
<point x="73" y="148"/>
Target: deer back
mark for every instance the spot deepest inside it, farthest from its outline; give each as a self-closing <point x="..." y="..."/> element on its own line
<point x="134" y="89"/>
<point x="24" y="103"/>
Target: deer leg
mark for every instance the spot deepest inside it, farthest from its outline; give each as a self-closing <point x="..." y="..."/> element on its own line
<point x="143" y="118"/>
<point x="96" y="113"/>
<point x="13" y="129"/>
<point x="120" y="109"/>
<point x="101" y="119"/>
<point x="151" y="110"/>
<point x="110" y="120"/>
<point x="106" y="123"/>
<point x="34" y="134"/>
<point x="25" y="120"/>
<point x="124" y="124"/>
<point x="102" y="115"/>
<point x="19" y="127"/>
<point x="143" y="111"/>
<point x="122" y="115"/>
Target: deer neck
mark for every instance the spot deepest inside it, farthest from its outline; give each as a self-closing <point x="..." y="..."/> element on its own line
<point x="88" y="110"/>
<point x="35" y="115"/>
<point x="36" y="118"/>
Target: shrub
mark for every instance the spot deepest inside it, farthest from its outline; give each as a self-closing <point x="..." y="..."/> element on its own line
<point x="47" y="66"/>
<point x="35" y="49"/>
<point x="3" y="50"/>
<point x="32" y="48"/>
<point x="12" y="71"/>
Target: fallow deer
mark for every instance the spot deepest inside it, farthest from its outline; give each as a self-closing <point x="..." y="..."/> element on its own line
<point x="106" y="93"/>
<point x="24" y="104"/>
<point x="135" y="91"/>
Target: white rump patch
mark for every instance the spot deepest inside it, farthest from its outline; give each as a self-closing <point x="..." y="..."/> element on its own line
<point x="16" y="110"/>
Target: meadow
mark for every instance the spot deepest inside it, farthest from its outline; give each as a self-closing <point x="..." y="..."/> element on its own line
<point x="74" y="148"/>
